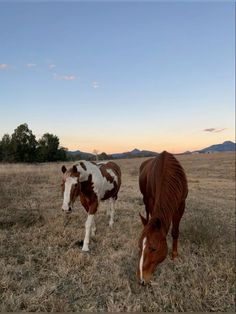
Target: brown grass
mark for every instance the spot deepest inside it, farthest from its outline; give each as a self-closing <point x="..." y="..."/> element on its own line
<point x="43" y="269"/>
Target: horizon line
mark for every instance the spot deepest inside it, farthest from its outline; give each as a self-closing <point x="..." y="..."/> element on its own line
<point x="145" y="150"/>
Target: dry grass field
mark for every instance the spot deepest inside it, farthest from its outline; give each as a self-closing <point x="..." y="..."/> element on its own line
<point x="43" y="269"/>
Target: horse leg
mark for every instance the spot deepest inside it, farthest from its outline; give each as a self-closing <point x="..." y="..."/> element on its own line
<point x="175" y="229"/>
<point x="88" y="225"/>
<point x="84" y="202"/>
<point x="112" y="212"/>
<point x="93" y="229"/>
<point x="109" y="208"/>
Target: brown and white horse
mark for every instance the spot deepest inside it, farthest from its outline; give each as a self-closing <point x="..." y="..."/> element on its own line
<point x="93" y="183"/>
<point x="163" y="183"/>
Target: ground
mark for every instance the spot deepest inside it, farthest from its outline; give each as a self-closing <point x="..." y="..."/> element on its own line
<point x="42" y="268"/>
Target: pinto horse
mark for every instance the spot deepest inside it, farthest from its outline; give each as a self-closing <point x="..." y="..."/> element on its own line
<point x="93" y="183"/>
<point x="163" y="183"/>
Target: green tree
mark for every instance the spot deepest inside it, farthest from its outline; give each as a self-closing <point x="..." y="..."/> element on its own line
<point x="103" y="156"/>
<point x="48" y="148"/>
<point x="6" y="150"/>
<point x="23" y="144"/>
<point x="62" y="154"/>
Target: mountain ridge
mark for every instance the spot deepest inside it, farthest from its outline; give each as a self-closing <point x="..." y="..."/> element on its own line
<point x="224" y="147"/>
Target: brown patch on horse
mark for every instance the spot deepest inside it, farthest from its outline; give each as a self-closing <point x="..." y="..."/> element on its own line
<point x="111" y="193"/>
<point x="87" y="186"/>
<point x="88" y="197"/>
<point x="83" y="165"/>
<point x="117" y="173"/>
<point x="106" y="174"/>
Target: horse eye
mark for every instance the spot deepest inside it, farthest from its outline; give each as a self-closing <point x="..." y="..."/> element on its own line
<point x="152" y="249"/>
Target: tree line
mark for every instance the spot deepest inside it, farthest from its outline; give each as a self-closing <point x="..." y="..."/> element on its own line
<point x="22" y="146"/>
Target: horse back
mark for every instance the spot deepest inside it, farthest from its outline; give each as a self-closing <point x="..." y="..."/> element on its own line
<point x="162" y="182"/>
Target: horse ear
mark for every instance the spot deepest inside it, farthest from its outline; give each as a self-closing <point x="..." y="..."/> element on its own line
<point x="157" y="223"/>
<point x="74" y="169"/>
<point x="144" y="220"/>
<point x="63" y="169"/>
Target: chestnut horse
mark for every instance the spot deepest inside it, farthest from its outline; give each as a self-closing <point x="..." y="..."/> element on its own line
<point x="163" y="183"/>
<point x="93" y="183"/>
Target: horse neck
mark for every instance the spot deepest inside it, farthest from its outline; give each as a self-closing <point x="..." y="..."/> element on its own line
<point x="162" y="207"/>
<point x="164" y="216"/>
<point x="91" y="169"/>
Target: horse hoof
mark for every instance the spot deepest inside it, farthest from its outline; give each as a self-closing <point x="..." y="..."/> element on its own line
<point x="85" y="249"/>
<point x="80" y="242"/>
<point x="77" y="243"/>
<point x="85" y="252"/>
<point x="174" y="255"/>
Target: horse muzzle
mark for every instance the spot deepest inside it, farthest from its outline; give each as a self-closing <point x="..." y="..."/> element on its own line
<point x="67" y="210"/>
<point x="142" y="282"/>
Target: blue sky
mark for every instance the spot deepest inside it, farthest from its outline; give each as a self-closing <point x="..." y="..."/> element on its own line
<point x="113" y="76"/>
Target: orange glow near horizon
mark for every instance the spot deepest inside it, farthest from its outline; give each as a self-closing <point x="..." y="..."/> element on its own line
<point x="158" y="144"/>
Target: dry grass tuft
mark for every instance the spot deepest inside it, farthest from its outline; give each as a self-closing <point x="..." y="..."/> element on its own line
<point x="42" y="267"/>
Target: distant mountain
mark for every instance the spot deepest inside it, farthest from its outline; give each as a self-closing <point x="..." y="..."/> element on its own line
<point x="77" y="154"/>
<point x="227" y="146"/>
<point x="134" y="153"/>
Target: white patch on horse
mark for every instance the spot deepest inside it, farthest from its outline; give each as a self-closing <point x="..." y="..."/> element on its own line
<point x="142" y="258"/>
<point x="104" y="187"/>
<point x="100" y="183"/>
<point x="110" y="171"/>
<point x="84" y="174"/>
<point x="69" y="181"/>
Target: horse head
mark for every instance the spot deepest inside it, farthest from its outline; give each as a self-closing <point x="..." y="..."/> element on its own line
<point x="70" y="187"/>
<point x="152" y="248"/>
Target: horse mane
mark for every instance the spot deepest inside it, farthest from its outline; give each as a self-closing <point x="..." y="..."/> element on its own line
<point x="171" y="186"/>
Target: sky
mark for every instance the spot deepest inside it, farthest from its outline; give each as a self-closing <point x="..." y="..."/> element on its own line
<point x="114" y="76"/>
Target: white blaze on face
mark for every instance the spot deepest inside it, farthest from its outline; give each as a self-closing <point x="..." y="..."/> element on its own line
<point x="142" y="258"/>
<point x="68" y="185"/>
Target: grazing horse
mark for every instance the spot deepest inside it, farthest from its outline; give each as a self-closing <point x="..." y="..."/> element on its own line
<point x="93" y="183"/>
<point x="163" y="183"/>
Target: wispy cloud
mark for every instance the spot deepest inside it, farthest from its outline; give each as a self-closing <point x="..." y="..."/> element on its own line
<point x="4" y="66"/>
<point x="219" y="130"/>
<point x="51" y="66"/>
<point x="64" y="77"/>
<point x="95" y="84"/>
<point x="31" y="65"/>
<point x="213" y="130"/>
